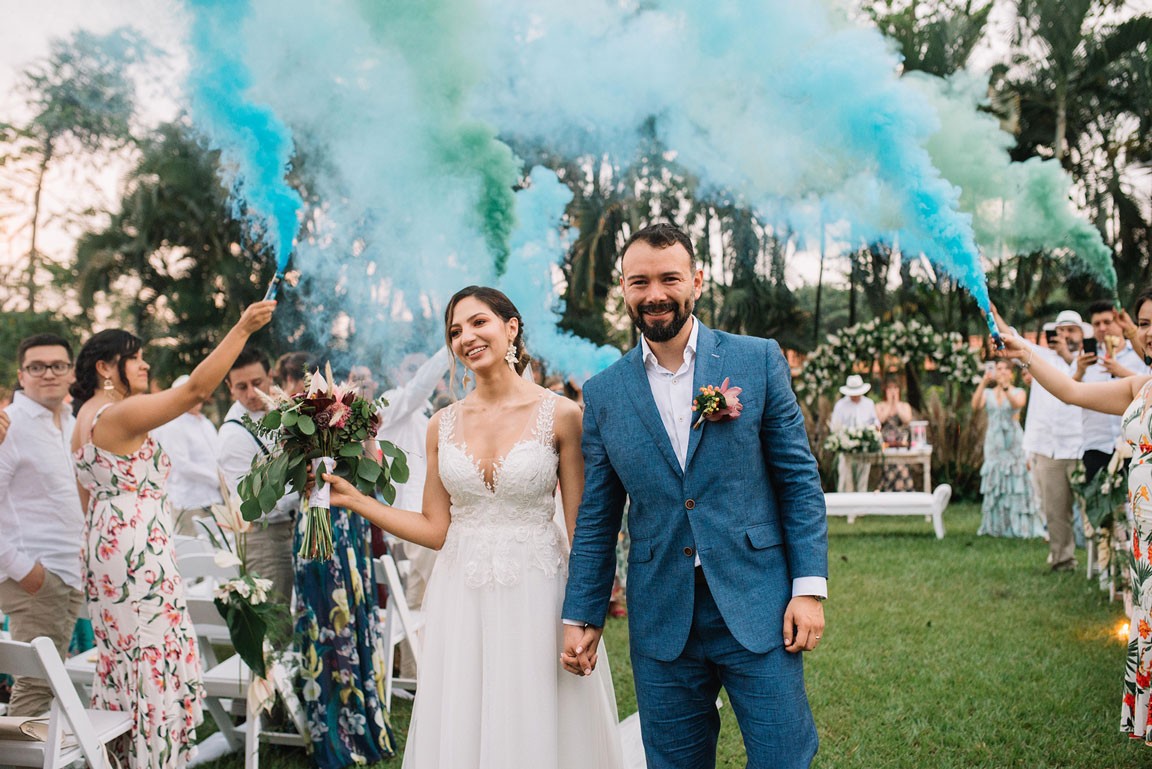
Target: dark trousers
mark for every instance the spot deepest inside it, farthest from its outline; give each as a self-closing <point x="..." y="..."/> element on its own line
<point x="677" y="699"/>
<point x="1094" y="462"/>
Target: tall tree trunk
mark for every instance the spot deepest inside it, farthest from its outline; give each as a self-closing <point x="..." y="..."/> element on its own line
<point x="33" y="250"/>
<point x="1059" y="147"/>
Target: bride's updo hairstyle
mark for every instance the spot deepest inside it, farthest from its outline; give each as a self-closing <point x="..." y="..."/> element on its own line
<point x="108" y="346"/>
<point x="498" y="303"/>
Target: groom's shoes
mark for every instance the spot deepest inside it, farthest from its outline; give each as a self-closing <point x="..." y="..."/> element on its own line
<point x="1069" y="565"/>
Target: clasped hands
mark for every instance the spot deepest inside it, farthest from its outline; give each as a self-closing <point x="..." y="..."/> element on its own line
<point x="803" y="627"/>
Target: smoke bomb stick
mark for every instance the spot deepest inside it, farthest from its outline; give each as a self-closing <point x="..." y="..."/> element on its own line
<point x="274" y="286"/>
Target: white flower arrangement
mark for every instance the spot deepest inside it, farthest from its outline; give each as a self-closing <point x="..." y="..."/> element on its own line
<point x="906" y="341"/>
<point x="853" y="440"/>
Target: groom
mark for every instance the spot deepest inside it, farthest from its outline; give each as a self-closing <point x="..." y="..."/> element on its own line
<point x="729" y="556"/>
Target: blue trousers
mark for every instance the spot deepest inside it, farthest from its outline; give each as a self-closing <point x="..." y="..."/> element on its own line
<point x="677" y="699"/>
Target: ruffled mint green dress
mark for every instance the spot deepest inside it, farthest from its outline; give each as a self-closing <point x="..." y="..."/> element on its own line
<point x="1010" y="506"/>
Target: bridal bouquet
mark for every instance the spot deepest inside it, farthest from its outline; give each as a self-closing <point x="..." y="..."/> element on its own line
<point x="323" y="429"/>
<point x="853" y="440"/>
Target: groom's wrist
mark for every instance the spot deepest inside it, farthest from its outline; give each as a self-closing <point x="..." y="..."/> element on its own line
<point x="816" y="587"/>
<point x="574" y="623"/>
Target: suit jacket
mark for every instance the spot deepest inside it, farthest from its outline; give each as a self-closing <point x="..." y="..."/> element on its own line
<point x="748" y="501"/>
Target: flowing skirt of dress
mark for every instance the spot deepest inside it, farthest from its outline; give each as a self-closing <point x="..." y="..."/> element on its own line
<point x="491" y="693"/>
<point x="341" y="646"/>
<point x="1010" y="508"/>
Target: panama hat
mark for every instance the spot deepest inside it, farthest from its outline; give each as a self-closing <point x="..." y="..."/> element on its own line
<point x="855" y="385"/>
<point x="1072" y="318"/>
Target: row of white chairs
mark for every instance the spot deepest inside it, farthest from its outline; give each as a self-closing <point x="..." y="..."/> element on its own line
<point x="76" y="732"/>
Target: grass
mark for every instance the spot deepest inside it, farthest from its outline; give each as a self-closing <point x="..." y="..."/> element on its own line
<point x="964" y="652"/>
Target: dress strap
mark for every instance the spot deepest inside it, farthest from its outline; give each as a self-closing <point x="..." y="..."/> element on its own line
<point x="99" y="413"/>
<point x="545" y="429"/>
<point x="448" y="423"/>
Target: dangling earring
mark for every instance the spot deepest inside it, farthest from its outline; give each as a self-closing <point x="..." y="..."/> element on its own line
<point x="464" y="379"/>
<point x="511" y="357"/>
<point x="108" y="388"/>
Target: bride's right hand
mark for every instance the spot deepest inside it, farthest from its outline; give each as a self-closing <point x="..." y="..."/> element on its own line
<point x="343" y="493"/>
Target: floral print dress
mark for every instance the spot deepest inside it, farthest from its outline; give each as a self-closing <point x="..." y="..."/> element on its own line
<point x="342" y="649"/>
<point x="1136" y="427"/>
<point x="148" y="663"/>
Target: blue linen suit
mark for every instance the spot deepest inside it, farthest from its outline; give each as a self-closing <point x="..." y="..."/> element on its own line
<point x="749" y="502"/>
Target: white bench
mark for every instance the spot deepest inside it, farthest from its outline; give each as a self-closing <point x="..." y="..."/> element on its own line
<point x="853" y="505"/>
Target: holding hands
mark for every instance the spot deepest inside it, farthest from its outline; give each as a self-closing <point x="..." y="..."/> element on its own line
<point x="580" y="643"/>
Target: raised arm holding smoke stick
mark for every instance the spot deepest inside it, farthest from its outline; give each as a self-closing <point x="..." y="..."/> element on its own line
<point x="1131" y="398"/>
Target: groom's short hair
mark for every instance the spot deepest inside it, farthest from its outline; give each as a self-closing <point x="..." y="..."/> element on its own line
<point x="662" y="235"/>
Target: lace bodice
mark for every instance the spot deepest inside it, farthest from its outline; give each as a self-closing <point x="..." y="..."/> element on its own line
<point x="498" y="529"/>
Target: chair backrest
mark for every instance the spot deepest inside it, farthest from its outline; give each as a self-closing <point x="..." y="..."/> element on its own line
<point x="186" y="545"/>
<point x="195" y="567"/>
<point x="40" y="659"/>
<point x="385" y="572"/>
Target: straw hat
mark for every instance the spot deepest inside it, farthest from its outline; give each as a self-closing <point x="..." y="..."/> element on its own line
<point x="855" y="385"/>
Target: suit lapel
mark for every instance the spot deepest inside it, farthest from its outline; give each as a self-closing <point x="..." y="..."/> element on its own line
<point x="709" y="360"/>
<point x="641" y="393"/>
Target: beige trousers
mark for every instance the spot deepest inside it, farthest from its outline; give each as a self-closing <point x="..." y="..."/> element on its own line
<point x="1054" y="481"/>
<point x="51" y="612"/>
<point x="852" y="473"/>
<point x="269" y="556"/>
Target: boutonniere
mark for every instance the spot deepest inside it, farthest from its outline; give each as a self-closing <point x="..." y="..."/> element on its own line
<point x="717" y="404"/>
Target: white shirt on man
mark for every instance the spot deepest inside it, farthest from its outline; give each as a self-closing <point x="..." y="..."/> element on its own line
<point x="40" y="514"/>
<point x="404" y="423"/>
<point x="672" y="392"/>
<point x="1052" y="428"/>
<point x="847" y="414"/>
<point x="1099" y="430"/>
<point x="190" y="442"/>
<point x="237" y="448"/>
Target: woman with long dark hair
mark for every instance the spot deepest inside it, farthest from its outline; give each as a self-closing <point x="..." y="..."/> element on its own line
<point x="491" y="693"/>
<point x="148" y="663"/>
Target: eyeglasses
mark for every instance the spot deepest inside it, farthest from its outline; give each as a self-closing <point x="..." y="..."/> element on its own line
<point x="36" y="368"/>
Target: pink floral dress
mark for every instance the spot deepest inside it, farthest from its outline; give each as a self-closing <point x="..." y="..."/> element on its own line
<point x="148" y="660"/>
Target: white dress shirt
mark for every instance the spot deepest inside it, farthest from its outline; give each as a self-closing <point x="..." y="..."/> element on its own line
<point x="237" y="449"/>
<point x="1052" y="428"/>
<point x="846" y="414"/>
<point x="40" y="514"/>
<point x="1099" y="430"/>
<point x="190" y="441"/>
<point x="672" y="391"/>
<point x="404" y="422"/>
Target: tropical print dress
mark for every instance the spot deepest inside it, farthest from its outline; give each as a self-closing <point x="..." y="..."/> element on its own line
<point x="342" y="649"/>
<point x="894" y="477"/>
<point x="1010" y="507"/>
<point x="148" y="663"/>
<point x="1136" y="427"/>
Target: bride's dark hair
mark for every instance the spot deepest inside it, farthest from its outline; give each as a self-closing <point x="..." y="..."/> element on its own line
<point x="106" y="347"/>
<point x="499" y="303"/>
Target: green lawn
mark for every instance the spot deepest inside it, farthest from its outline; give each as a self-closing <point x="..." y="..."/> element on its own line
<point x="964" y="652"/>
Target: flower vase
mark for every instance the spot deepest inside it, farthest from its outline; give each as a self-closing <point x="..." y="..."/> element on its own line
<point x="316" y="542"/>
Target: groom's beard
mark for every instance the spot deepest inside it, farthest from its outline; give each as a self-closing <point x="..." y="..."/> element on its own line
<point x="662" y="332"/>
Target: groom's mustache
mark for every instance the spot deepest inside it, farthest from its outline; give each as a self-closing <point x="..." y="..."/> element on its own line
<point x="656" y="308"/>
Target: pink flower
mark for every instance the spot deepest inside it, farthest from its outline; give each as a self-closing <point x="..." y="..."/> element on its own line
<point x="732" y="405"/>
<point x="717" y="404"/>
<point x="338" y="414"/>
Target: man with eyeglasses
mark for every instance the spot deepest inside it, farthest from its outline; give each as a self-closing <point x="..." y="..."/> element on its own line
<point x="41" y="520"/>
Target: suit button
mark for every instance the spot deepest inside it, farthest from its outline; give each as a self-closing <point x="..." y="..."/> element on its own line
<point x="690" y="504"/>
<point x="689" y="552"/>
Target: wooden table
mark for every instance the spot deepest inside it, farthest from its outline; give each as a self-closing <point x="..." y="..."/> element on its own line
<point x="903" y="456"/>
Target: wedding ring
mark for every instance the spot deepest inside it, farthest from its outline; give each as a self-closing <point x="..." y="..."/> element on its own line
<point x="817" y="638"/>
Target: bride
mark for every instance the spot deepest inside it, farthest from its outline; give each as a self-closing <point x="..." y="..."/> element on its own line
<point x="490" y="691"/>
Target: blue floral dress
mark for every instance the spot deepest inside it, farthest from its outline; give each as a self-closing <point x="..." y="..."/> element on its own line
<point x="342" y="649"/>
<point x="1010" y="507"/>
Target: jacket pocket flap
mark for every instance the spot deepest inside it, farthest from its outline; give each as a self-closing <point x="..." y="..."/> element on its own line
<point x="764" y="536"/>
<point x="639" y="551"/>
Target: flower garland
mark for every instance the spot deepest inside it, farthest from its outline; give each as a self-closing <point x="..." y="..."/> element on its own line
<point x="854" y="440"/>
<point x="903" y="341"/>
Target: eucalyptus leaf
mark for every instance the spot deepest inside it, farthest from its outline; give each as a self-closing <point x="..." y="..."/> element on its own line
<point x="268" y="498"/>
<point x="400" y="469"/>
<point x="306" y="425"/>
<point x="250" y="509"/>
<point x="389" y="494"/>
<point x="368" y="470"/>
<point x="289" y="419"/>
<point x="351" y="450"/>
<point x="271" y="420"/>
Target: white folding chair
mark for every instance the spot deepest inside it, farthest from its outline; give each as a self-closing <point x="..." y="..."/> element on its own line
<point x="400" y="623"/>
<point x="74" y="733"/>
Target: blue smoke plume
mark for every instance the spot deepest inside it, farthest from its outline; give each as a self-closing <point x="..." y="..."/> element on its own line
<point x="255" y="146"/>
<point x="529" y="282"/>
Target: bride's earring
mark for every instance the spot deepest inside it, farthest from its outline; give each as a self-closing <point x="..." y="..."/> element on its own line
<point x="464" y="379"/>
<point x="511" y="357"/>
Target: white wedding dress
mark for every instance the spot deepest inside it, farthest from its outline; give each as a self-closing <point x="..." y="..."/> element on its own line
<point x="491" y="693"/>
